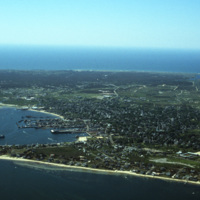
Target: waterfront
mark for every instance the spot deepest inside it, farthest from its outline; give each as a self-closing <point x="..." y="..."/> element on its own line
<point x="21" y="180"/>
<point x="13" y="135"/>
<point x="58" y="183"/>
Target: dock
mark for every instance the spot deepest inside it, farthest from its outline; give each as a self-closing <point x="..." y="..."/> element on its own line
<point x="59" y="125"/>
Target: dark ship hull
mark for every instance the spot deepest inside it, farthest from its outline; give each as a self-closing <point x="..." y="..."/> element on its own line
<point x="2" y="136"/>
<point x="61" y="131"/>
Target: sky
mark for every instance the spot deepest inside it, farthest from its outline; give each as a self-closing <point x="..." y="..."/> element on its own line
<point x="112" y="23"/>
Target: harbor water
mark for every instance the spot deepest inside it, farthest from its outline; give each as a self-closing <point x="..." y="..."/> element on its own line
<point x="21" y="180"/>
<point x="14" y="135"/>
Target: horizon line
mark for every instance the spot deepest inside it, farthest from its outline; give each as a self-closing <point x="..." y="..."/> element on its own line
<point x="97" y="46"/>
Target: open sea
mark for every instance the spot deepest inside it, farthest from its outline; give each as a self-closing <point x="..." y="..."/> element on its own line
<point x="36" y="181"/>
<point x="33" y="181"/>
<point x="91" y="58"/>
<point x="19" y="180"/>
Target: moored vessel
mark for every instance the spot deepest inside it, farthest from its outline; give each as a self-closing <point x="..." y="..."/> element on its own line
<point x="61" y="131"/>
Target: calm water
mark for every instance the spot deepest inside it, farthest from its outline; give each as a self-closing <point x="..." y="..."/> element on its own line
<point x="36" y="181"/>
<point x="13" y="135"/>
<point x="40" y="182"/>
<point x="73" y="58"/>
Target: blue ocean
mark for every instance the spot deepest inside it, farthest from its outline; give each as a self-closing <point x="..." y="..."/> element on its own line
<point x="36" y="181"/>
<point x="22" y="181"/>
<point x="93" y="58"/>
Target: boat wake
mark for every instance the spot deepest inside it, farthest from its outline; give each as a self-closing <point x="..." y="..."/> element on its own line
<point x="51" y="139"/>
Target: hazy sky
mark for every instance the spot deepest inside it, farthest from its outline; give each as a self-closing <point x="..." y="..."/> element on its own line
<point x="127" y="23"/>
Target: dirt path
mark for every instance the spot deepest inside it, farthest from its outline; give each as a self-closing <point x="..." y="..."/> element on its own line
<point x="164" y="160"/>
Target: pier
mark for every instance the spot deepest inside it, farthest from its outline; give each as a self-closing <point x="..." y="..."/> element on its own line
<point x="75" y="126"/>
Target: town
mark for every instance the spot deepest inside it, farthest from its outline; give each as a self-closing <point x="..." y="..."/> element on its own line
<point x="146" y="123"/>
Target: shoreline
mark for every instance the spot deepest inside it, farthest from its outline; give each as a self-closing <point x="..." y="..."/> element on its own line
<point x="91" y="170"/>
<point x="98" y="70"/>
<point x="100" y="171"/>
<point x="29" y="109"/>
<point x="46" y="112"/>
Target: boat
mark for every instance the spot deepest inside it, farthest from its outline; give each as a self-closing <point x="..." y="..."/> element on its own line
<point x="67" y="131"/>
<point x="2" y="136"/>
<point x="61" y="131"/>
<point x="24" y="108"/>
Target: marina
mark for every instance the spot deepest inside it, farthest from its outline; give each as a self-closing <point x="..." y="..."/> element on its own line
<point x="100" y="100"/>
<point x="69" y="181"/>
<point x="45" y="122"/>
<point x="25" y="132"/>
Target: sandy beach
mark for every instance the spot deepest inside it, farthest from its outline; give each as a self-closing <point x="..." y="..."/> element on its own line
<point x="41" y="111"/>
<point x="100" y="171"/>
<point x="4" y="157"/>
<point x="9" y="105"/>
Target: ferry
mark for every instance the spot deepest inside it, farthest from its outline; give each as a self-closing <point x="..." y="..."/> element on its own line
<point x="61" y="131"/>
<point x="67" y="131"/>
<point x="2" y="136"/>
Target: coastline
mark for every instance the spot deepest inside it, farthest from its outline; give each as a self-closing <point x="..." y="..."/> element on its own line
<point x="86" y="169"/>
<point x="41" y="111"/>
<point x="100" y="171"/>
<point x="46" y="112"/>
<point x="8" y="105"/>
<point x="111" y="70"/>
<point x="136" y="71"/>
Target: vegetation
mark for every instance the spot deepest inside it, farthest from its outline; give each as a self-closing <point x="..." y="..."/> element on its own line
<point x="144" y="122"/>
